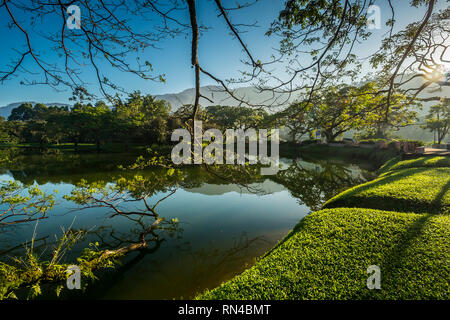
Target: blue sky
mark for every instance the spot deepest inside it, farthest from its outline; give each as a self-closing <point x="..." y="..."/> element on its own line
<point x="218" y="52"/>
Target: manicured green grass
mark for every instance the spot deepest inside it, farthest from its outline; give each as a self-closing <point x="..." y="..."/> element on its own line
<point x="427" y="162"/>
<point x="327" y="255"/>
<point x="418" y="190"/>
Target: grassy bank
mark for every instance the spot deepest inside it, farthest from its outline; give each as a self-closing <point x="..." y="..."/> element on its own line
<point x="421" y="190"/>
<point x="327" y="254"/>
<point x="422" y="162"/>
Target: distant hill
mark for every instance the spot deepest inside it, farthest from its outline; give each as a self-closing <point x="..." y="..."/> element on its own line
<point x="219" y="97"/>
<point x="431" y="91"/>
<point x="214" y="93"/>
<point x="5" y="111"/>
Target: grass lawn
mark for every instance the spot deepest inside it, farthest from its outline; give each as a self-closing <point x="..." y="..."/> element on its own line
<point x="327" y="255"/>
<point x="426" y="162"/>
<point x="425" y="190"/>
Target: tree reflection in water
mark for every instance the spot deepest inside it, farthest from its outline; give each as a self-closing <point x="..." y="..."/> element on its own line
<point x="314" y="183"/>
<point x="135" y="193"/>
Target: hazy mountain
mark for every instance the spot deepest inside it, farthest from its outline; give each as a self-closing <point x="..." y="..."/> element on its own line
<point x="431" y="91"/>
<point x="219" y="97"/>
<point x="5" y="111"/>
<point x="214" y="93"/>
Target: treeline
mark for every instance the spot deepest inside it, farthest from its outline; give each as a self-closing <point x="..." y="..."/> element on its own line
<point x="139" y="120"/>
<point x="144" y="120"/>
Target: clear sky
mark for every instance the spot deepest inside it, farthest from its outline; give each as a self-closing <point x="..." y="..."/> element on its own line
<point x="218" y="52"/>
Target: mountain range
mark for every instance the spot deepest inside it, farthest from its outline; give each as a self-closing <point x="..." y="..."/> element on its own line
<point x="217" y="96"/>
<point x="213" y="93"/>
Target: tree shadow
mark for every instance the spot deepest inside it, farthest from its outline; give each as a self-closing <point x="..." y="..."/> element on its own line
<point x="438" y="201"/>
<point x="392" y="262"/>
<point x="351" y="200"/>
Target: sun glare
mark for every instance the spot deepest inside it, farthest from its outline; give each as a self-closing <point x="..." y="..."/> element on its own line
<point x="436" y="74"/>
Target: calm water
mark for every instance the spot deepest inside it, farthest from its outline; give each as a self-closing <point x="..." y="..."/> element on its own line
<point x="225" y="227"/>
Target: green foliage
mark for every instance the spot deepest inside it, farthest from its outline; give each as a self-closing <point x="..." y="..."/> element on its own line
<point x="438" y="120"/>
<point x="407" y="190"/>
<point x="231" y="117"/>
<point x="327" y="254"/>
<point x="340" y="108"/>
<point x="32" y="273"/>
<point x="139" y="119"/>
<point x="19" y="203"/>
<point x="388" y="164"/>
<point x="371" y="141"/>
<point x="310" y="141"/>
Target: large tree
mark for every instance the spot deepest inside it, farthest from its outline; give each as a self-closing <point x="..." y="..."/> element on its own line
<point x="319" y="39"/>
<point x="231" y="117"/>
<point x="438" y="120"/>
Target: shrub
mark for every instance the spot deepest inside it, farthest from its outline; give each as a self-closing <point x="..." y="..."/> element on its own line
<point x="371" y="141"/>
<point x="327" y="255"/>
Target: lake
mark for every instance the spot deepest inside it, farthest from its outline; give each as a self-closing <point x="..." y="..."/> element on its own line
<point x="225" y="226"/>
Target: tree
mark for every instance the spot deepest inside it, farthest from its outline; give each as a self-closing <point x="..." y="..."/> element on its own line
<point x="296" y="119"/>
<point x="142" y="117"/>
<point x="22" y="113"/>
<point x="340" y="109"/>
<point x="235" y="117"/>
<point x="337" y="109"/>
<point x="35" y="131"/>
<point x="26" y="111"/>
<point x="184" y="113"/>
<point x="438" y="120"/>
<point x="4" y="131"/>
<point x="380" y="123"/>
<point x="333" y="31"/>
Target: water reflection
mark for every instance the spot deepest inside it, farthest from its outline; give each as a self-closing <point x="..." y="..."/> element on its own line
<point x="223" y="224"/>
<point x="314" y="183"/>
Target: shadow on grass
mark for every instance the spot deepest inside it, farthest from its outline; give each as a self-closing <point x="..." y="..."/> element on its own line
<point x="350" y="198"/>
<point x="439" y="200"/>
<point x="394" y="261"/>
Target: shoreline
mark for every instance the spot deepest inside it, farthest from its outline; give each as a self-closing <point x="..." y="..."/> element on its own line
<point x="324" y="256"/>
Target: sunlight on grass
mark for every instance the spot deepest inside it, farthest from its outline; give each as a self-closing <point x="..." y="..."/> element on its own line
<point x="326" y="257"/>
